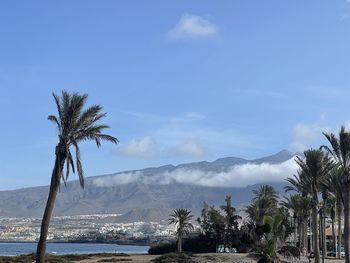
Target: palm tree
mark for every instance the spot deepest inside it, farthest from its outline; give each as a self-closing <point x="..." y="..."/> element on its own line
<point x="334" y="184"/>
<point x="330" y="208"/>
<point x="181" y="219"/>
<point x="264" y="203"/>
<point x="275" y="232"/>
<point x="340" y="151"/>
<point x="301" y="206"/>
<point x="74" y="124"/>
<point x="313" y="171"/>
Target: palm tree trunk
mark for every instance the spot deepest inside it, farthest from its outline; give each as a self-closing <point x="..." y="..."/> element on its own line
<point x="300" y="234"/>
<point x="179" y="243"/>
<point x="54" y="187"/>
<point x="305" y="237"/>
<point x="333" y="235"/>
<point x="296" y="227"/>
<point x="339" y="208"/>
<point x="347" y="224"/>
<point x="316" y="243"/>
<point x="324" y="245"/>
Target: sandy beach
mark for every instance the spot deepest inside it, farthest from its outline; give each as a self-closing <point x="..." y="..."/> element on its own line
<point x="200" y="258"/>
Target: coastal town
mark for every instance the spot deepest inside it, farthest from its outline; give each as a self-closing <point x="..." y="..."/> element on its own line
<point x="86" y="228"/>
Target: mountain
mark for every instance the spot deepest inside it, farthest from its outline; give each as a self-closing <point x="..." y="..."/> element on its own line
<point x="142" y="195"/>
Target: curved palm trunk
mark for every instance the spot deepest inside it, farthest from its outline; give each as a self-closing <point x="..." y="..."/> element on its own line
<point x="347" y="224"/>
<point x="316" y="243"/>
<point x="54" y="187"/>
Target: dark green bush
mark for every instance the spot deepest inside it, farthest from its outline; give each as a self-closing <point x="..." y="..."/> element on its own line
<point x="173" y="258"/>
<point x="200" y="244"/>
<point x="162" y="248"/>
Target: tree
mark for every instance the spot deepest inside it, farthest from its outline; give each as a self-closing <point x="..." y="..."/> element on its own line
<point x="330" y="208"/>
<point x="277" y="229"/>
<point x="231" y="223"/>
<point x="301" y="206"/>
<point x="212" y="223"/>
<point x="264" y="203"/>
<point x="181" y="219"/>
<point x="334" y="184"/>
<point x="75" y="125"/>
<point x="340" y="151"/>
<point x="313" y="171"/>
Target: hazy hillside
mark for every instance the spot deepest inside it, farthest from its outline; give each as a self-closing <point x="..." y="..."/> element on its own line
<point x="144" y="195"/>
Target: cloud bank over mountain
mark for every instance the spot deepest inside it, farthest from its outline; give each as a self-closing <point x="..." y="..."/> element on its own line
<point x="239" y="175"/>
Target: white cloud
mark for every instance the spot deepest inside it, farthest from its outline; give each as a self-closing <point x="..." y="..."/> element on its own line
<point x="307" y="135"/>
<point x="120" y="179"/>
<point x="191" y="148"/>
<point x="171" y="131"/>
<point x="192" y="26"/>
<point x="142" y="148"/>
<point x="236" y="176"/>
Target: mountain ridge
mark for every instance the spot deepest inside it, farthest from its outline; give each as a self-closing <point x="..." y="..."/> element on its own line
<point x="137" y="200"/>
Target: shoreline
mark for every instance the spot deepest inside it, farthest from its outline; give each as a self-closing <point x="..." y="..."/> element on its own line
<point x="141" y="244"/>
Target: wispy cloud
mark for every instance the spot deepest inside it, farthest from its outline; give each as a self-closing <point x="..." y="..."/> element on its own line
<point x="236" y="176"/>
<point x="140" y="148"/>
<point x="185" y="135"/>
<point x="190" y="148"/>
<point x="307" y="135"/>
<point x="192" y="26"/>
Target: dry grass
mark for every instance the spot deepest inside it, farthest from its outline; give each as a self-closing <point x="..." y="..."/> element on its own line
<point x="114" y="260"/>
<point x="63" y="258"/>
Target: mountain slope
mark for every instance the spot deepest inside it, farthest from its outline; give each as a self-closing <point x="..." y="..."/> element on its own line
<point x="135" y="198"/>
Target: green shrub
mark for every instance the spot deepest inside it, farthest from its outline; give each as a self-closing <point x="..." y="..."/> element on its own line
<point x="114" y="259"/>
<point x="173" y="258"/>
<point x="200" y="244"/>
<point x="162" y="248"/>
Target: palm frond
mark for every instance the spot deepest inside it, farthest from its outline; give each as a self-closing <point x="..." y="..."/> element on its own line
<point x="76" y="125"/>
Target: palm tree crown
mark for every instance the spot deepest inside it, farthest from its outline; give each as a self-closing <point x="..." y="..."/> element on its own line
<point x="264" y="203"/>
<point x="181" y="218"/>
<point x="75" y="125"/>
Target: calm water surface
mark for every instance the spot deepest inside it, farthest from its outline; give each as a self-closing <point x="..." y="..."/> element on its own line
<point x="12" y="249"/>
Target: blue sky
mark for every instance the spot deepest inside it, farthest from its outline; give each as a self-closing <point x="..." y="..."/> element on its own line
<point x="181" y="81"/>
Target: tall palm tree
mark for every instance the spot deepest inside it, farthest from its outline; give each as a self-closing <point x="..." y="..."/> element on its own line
<point x="74" y="124"/>
<point x="181" y="218"/>
<point x="334" y="184"/>
<point x="301" y="206"/>
<point x="340" y="151"/>
<point x="330" y="208"/>
<point x="313" y="171"/>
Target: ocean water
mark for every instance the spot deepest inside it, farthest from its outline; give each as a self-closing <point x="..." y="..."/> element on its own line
<point x="12" y="249"/>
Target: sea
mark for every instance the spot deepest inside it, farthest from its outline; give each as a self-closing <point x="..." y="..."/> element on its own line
<point x="14" y="249"/>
